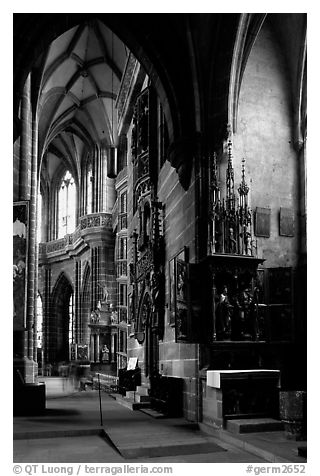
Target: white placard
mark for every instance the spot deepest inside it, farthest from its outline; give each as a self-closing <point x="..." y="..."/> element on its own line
<point x="132" y="363"/>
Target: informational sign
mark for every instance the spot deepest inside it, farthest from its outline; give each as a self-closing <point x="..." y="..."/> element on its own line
<point x="262" y="222"/>
<point x="286" y="227"/>
<point x="132" y="363"/>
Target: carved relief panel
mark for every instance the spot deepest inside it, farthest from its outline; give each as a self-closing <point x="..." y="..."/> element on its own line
<point x="146" y="297"/>
<point x="147" y="276"/>
<point x="143" y="143"/>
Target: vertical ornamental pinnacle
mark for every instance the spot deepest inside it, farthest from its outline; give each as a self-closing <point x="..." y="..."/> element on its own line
<point x="243" y="188"/>
<point x="230" y="198"/>
<point x="229" y="220"/>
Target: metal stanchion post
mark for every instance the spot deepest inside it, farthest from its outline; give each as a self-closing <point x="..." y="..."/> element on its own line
<point x="101" y="422"/>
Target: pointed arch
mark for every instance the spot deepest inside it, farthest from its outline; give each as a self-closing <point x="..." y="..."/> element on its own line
<point x="248" y="29"/>
<point x="58" y="320"/>
<point x="171" y="79"/>
<point x="147" y="335"/>
<point x="144" y="309"/>
<point x="86" y="306"/>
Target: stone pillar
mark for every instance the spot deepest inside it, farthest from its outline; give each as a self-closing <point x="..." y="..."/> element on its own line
<point x="110" y="194"/>
<point x="95" y="168"/>
<point x="77" y="300"/>
<point x="92" y="279"/>
<point x="108" y="197"/>
<point x="114" y="348"/>
<point x="103" y="205"/>
<point x="42" y="211"/>
<point x="300" y="291"/>
<point x="100" y="194"/>
<point x="35" y="301"/>
<point x="26" y="138"/>
<point x="24" y="164"/>
<point x="97" y="348"/>
<point x="28" y="191"/>
<point x="46" y="314"/>
<point x="32" y="254"/>
<point x="92" y="347"/>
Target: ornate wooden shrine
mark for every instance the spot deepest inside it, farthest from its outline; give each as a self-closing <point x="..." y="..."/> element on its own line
<point x="147" y="279"/>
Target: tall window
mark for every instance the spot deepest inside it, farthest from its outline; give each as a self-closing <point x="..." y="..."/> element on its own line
<point x="72" y="324"/>
<point x="123" y="211"/>
<point x="122" y="341"/>
<point x="89" y="189"/>
<point x="39" y="321"/>
<point x="123" y="202"/>
<point x="122" y="302"/>
<point x="122" y="247"/>
<point x="162" y="136"/>
<point x="122" y="294"/>
<point x="67" y="205"/>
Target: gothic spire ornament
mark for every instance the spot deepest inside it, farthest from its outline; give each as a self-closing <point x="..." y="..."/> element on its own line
<point x="229" y="221"/>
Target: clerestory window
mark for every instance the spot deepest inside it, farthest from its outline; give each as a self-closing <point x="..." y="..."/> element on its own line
<point x="39" y="321"/>
<point x="72" y="321"/>
<point x="89" y="189"/>
<point x="66" y="205"/>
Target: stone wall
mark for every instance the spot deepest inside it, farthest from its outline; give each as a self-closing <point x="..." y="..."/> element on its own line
<point x="178" y="359"/>
<point x="15" y="170"/>
<point x="264" y="138"/>
<point x="212" y="408"/>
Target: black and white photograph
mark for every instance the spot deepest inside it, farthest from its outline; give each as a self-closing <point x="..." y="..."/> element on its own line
<point x="159" y="241"/>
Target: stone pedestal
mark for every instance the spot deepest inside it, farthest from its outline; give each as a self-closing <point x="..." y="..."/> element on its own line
<point x="29" y="397"/>
<point x="25" y="370"/>
<point x="105" y="314"/>
<point x="230" y="394"/>
<point x="293" y="413"/>
<point x="102" y="329"/>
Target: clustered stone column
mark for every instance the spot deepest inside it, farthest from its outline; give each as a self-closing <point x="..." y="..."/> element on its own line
<point x="26" y="363"/>
<point x="95" y="347"/>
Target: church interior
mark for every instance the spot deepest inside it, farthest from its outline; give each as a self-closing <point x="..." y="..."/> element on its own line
<point x="159" y="210"/>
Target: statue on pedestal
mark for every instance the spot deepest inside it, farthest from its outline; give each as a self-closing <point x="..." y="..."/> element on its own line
<point x="224" y="313"/>
<point x="246" y="241"/>
<point x="105" y="354"/>
<point x="232" y="241"/>
<point x="245" y="305"/>
<point x="105" y="297"/>
<point x="95" y="316"/>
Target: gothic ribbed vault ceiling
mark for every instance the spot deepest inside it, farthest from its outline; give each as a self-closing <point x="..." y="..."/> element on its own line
<point x="81" y="78"/>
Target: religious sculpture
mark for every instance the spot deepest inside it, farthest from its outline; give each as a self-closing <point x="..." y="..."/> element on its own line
<point x="244" y="315"/>
<point x="224" y="314"/>
<point x="105" y="296"/>
<point x="105" y="354"/>
<point x="232" y="241"/>
<point x="95" y="316"/>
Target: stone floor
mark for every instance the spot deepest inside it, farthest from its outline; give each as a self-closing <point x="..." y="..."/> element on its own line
<point x="72" y="431"/>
